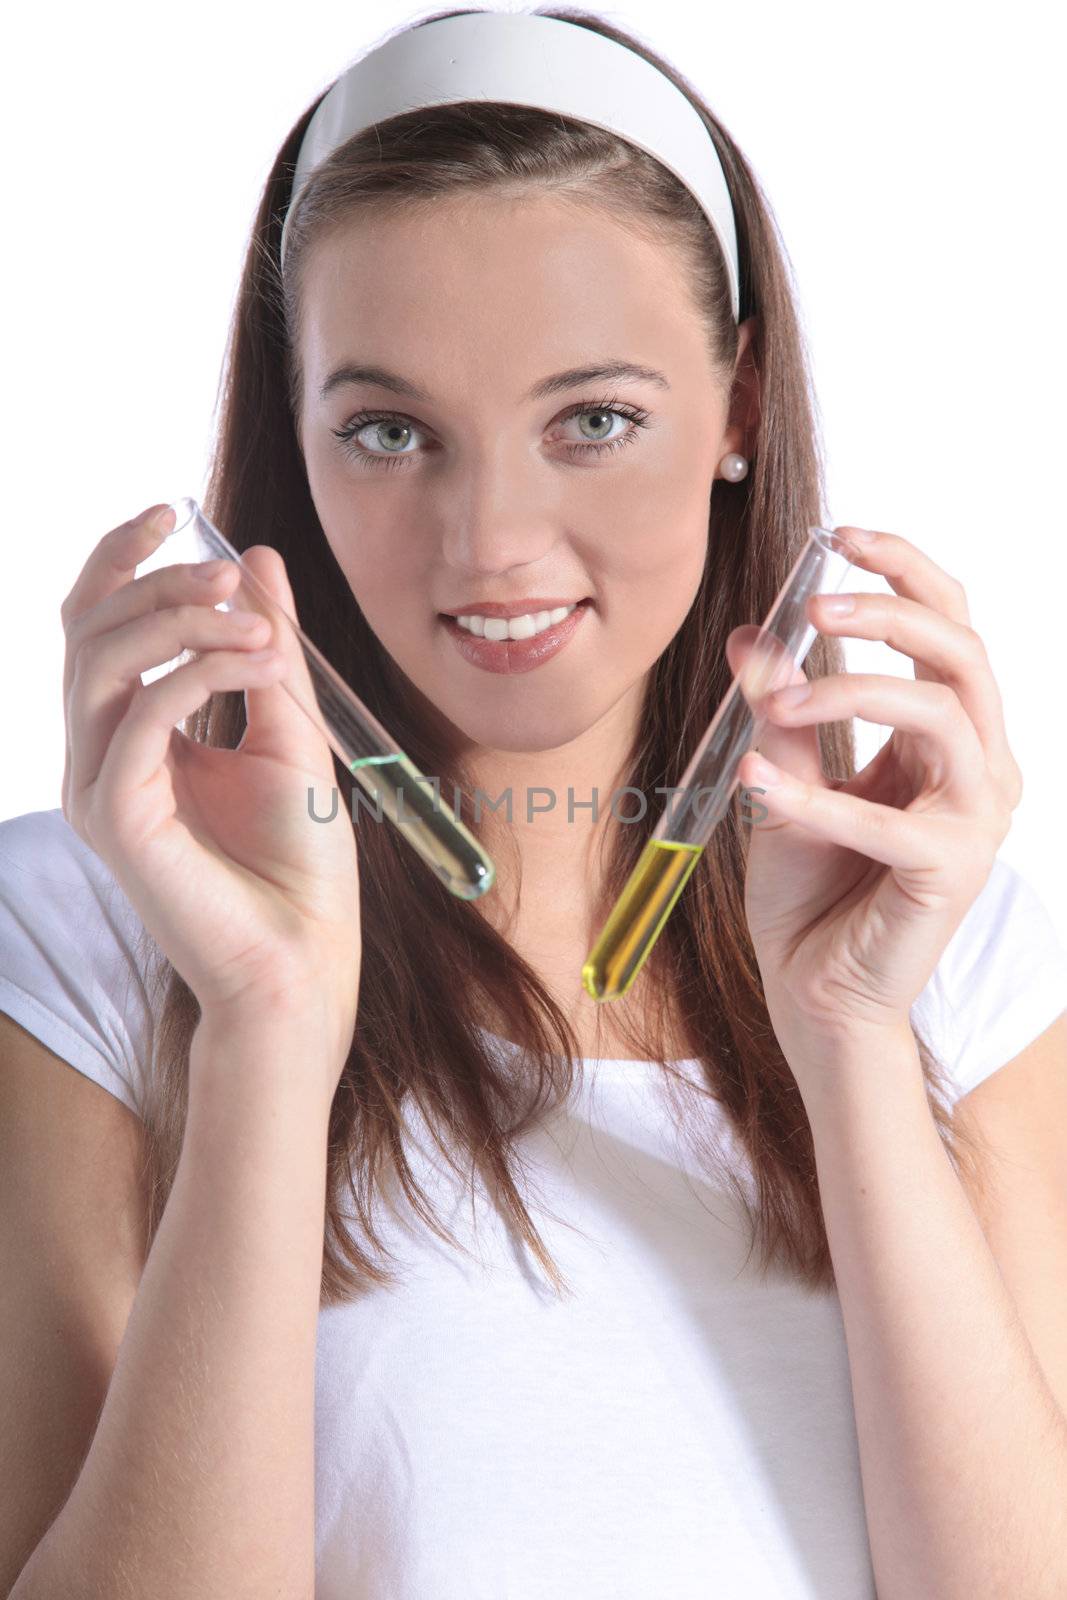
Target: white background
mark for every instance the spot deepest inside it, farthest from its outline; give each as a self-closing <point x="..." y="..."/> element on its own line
<point x="912" y="155"/>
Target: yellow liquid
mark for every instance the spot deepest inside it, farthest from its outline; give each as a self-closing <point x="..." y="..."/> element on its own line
<point x="638" y="916"/>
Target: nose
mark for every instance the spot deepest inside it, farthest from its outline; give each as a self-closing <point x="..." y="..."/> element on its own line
<point x="495" y="516"/>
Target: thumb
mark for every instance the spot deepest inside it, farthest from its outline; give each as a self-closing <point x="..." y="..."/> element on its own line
<point x="762" y="670"/>
<point x="284" y="719"/>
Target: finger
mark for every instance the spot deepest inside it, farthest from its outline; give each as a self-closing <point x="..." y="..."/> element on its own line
<point x="108" y="667"/>
<point x="908" y="570"/>
<point x="795" y="747"/>
<point x="284" y="718"/>
<point x="134" y="761"/>
<point x="180" y="583"/>
<point x="897" y="838"/>
<point x="929" y="713"/>
<point x="112" y="560"/>
<point x="107" y="568"/>
<point x="951" y="651"/>
<point x="882" y="770"/>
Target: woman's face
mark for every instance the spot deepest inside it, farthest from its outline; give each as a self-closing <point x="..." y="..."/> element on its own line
<point x="479" y="491"/>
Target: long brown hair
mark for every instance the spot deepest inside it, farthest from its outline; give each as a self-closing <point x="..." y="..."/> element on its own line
<point x="433" y="968"/>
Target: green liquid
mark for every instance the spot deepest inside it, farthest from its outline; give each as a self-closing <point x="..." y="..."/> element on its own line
<point x="408" y="800"/>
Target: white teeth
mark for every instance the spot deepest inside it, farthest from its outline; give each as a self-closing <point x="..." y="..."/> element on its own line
<point x="524" y="627"/>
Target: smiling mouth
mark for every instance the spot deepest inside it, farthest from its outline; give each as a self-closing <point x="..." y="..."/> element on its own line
<point x="498" y="629"/>
<point x="528" y="650"/>
<point x="512" y="608"/>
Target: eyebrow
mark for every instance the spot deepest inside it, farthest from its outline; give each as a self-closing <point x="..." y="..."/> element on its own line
<point x="615" y="371"/>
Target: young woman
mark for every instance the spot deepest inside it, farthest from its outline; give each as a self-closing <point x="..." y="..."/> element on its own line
<point x="388" y="1263"/>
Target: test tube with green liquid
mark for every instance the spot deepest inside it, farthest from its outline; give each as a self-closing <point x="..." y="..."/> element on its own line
<point x="375" y="760"/>
<point x="700" y="801"/>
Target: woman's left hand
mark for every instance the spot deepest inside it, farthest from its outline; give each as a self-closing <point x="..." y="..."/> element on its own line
<point x="854" y="888"/>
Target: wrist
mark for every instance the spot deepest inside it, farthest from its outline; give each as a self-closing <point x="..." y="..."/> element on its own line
<point x="300" y="1010"/>
<point x="269" y="1053"/>
<point x="845" y="1046"/>
<point x="845" y="1072"/>
<point x="811" y="1037"/>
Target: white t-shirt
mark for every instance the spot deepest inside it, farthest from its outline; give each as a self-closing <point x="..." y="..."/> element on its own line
<point x="678" y="1426"/>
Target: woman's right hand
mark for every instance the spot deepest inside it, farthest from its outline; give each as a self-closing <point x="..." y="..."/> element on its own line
<point x="254" y="902"/>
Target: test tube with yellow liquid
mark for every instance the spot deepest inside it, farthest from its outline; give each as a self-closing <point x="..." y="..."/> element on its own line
<point x="372" y="756"/>
<point x="699" y="802"/>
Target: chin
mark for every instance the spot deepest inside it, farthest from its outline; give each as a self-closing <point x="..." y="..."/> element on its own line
<point x="520" y="732"/>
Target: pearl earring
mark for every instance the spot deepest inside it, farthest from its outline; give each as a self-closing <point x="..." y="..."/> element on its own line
<point x="733" y="467"/>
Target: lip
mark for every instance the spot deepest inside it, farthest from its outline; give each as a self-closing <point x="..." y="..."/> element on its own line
<point x="515" y="655"/>
<point x="507" y="608"/>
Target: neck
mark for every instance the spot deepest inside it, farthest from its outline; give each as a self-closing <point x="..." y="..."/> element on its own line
<point x="552" y="828"/>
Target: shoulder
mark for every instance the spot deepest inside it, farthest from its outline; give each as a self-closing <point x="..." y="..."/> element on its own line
<point x="42" y="846"/>
<point x="50" y="877"/>
<point x="74" y="956"/>
<point x="1001" y="980"/>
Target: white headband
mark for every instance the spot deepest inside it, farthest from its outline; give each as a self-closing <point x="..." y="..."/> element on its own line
<point x="527" y="60"/>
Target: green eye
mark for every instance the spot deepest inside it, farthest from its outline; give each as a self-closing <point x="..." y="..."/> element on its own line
<point x="391" y="423"/>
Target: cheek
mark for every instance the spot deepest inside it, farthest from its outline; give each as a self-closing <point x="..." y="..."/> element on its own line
<point x="653" y="562"/>
<point x="657" y="507"/>
<point x="384" y="579"/>
<point x="363" y="523"/>
<point x="653" y="539"/>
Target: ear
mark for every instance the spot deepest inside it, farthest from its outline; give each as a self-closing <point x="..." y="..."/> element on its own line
<point x="744" y="418"/>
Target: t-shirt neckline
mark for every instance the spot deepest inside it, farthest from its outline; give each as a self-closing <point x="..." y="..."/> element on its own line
<point x="598" y="1061"/>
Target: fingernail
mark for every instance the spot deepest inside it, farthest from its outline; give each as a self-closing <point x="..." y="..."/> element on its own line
<point x="860" y="535"/>
<point x="793" y="695"/>
<point x="837" y="605"/>
<point x="764" y="774"/>
<point x="209" y="569"/>
<point x="149" y="512"/>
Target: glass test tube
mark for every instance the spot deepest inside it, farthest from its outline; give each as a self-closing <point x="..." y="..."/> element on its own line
<point x="698" y="804"/>
<point x="407" y="797"/>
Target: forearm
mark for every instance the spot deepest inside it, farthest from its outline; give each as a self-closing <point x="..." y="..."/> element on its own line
<point x="200" y="1477"/>
<point x="963" y="1447"/>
